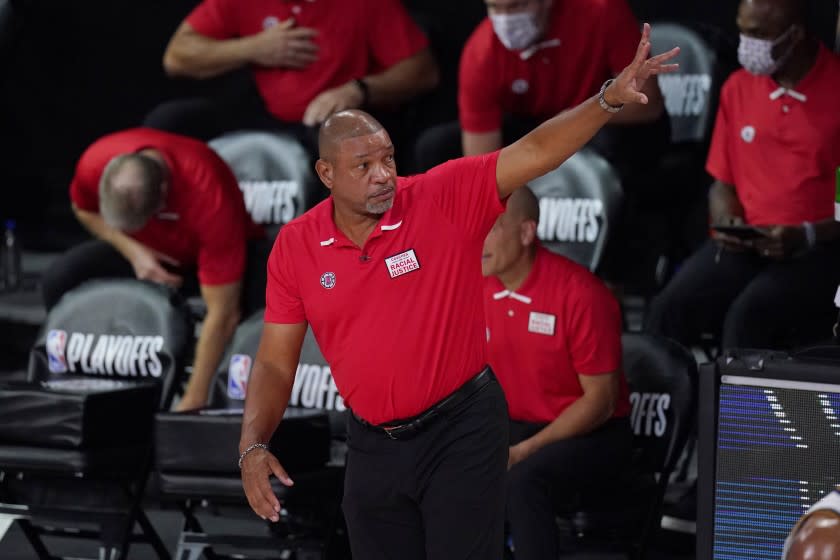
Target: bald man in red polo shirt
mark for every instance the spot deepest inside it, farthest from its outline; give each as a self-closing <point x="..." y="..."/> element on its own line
<point x="774" y="152"/>
<point x="554" y="342"/>
<point x="308" y="58"/>
<point x="385" y="272"/>
<point x="166" y="208"/>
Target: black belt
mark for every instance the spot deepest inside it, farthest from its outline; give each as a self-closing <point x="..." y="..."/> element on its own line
<point x="409" y="427"/>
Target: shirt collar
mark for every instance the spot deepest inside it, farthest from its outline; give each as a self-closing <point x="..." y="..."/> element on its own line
<point x="804" y="86"/>
<point x="525" y="54"/>
<point x="331" y="236"/>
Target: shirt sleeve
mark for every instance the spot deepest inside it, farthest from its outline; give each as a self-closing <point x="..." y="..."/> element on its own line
<point x="215" y="18"/>
<point x="479" y="109"/>
<point x="467" y="193"/>
<point x="595" y="329"/>
<point x="393" y="35"/>
<point x="717" y="164"/>
<point x="283" y="303"/>
<point x="84" y="188"/>
<point x="222" y="240"/>
<point x="623" y="35"/>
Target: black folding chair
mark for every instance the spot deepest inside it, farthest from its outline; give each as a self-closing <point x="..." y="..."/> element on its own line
<point x="76" y="441"/>
<point x="196" y="460"/>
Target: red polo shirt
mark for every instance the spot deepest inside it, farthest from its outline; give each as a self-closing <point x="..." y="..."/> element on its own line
<point x="399" y="320"/>
<point x="355" y="39"/>
<point x="586" y="43"/>
<point x="561" y="323"/>
<point x="204" y="223"/>
<point x="780" y="150"/>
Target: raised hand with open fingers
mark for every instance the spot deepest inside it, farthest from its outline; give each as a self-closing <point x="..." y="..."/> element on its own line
<point x="627" y="86"/>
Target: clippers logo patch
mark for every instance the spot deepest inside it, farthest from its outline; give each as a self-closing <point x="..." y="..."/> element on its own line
<point x="56" y="343"/>
<point x="238" y="372"/>
<point x="328" y="280"/>
<point x="541" y="323"/>
<point x="748" y="134"/>
<point x="402" y="263"/>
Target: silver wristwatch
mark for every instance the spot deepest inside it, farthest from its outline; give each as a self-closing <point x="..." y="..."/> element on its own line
<point x="603" y="102"/>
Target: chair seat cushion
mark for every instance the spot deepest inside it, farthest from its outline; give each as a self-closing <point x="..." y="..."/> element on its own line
<point x="207" y="441"/>
<point x="77" y="412"/>
<point x="228" y="489"/>
<point x="113" y="462"/>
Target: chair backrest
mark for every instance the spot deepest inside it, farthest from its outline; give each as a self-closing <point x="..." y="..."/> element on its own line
<point x="119" y="329"/>
<point x="314" y="387"/>
<point x="274" y="173"/>
<point x="690" y="93"/>
<point x="662" y="378"/>
<point x="579" y="205"/>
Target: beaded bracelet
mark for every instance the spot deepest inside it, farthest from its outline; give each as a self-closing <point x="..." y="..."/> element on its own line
<point x="249" y="449"/>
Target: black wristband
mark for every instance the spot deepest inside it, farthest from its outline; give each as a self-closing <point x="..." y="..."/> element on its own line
<point x="362" y="85"/>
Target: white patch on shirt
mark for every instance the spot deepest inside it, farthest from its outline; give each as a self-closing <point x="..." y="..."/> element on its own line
<point x="402" y="263"/>
<point x="541" y="323"/>
<point x="748" y="134"/>
<point x="520" y="86"/>
<point x="270" y="21"/>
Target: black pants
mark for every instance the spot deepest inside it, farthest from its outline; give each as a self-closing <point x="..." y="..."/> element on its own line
<point x="97" y="259"/>
<point x="751" y="301"/>
<point x="208" y="117"/>
<point x="436" y="496"/>
<point x="539" y="486"/>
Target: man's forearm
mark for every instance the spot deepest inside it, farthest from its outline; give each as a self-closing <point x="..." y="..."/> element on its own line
<point x="193" y="55"/>
<point x="269" y="390"/>
<point x="402" y="81"/>
<point x="547" y="146"/>
<point x="580" y="418"/>
<point x="97" y="227"/>
<point x="216" y="331"/>
<point x="723" y="203"/>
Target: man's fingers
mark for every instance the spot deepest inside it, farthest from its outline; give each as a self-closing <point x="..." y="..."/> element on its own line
<point x="303" y="33"/>
<point x="281" y="474"/>
<point x="287" y="24"/>
<point x="271" y="505"/>
<point x="303" y="46"/>
<point x="665" y="57"/>
<point x="167" y="259"/>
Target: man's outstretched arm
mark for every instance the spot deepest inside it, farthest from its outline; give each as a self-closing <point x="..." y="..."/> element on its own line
<point x="554" y="141"/>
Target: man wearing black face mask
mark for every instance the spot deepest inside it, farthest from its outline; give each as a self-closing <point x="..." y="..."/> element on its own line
<point x="774" y="152"/>
<point x="531" y="59"/>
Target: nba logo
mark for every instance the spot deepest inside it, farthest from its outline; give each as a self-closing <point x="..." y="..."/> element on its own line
<point x="238" y="371"/>
<point x="56" y="341"/>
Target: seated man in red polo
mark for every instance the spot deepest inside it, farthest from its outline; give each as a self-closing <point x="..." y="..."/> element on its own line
<point x="774" y="152"/>
<point x="166" y="208"/>
<point x="309" y="59"/>
<point x="817" y="534"/>
<point x="554" y="342"/>
<point x="529" y="60"/>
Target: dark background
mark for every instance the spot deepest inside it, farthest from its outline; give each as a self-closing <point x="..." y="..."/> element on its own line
<point x="73" y="71"/>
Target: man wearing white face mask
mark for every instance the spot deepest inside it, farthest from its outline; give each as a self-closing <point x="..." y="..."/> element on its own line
<point x="774" y="152"/>
<point x="531" y="59"/>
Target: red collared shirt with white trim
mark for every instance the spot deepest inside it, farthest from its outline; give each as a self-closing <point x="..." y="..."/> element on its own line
<point x="399" y="320"/>
<point x="562" y="322"/>
<point x="204" y="224"/>
<point x="778" y="147"/>
<point x="355" y="39"/>
<point x="586" y="43"/>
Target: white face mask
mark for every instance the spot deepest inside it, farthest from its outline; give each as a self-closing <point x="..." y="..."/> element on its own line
<point x="516" y="31"/>
<point x="756" y="55"/>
